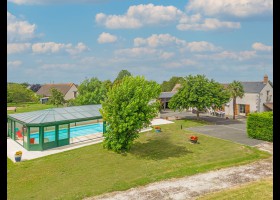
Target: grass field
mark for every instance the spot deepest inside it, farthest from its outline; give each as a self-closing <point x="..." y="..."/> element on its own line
<point x="257" y="190"/>
<point x="27" y="107"/>
<point x="92" y="170"/>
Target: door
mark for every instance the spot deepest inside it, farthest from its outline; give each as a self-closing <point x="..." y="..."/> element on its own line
<point x="247" y="109"/>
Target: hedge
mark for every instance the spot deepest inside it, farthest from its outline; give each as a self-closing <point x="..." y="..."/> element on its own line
<point x="260" y="126"/>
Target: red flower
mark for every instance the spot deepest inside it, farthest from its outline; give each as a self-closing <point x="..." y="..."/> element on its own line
<point x="194" y="137"/>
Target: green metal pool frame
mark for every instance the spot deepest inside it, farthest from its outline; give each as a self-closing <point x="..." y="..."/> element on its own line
<point x="24" y="120"/>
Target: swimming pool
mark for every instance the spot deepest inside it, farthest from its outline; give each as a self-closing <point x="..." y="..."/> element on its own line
<point x="74" y="132"/>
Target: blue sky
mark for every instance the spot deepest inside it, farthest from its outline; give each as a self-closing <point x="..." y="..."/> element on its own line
<point x="68" y="41"/>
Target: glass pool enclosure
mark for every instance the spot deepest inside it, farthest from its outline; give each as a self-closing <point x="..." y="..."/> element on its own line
<point x="50" y="128"/>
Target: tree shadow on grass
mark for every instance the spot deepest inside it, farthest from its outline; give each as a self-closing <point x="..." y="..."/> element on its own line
<point x="158" y="149"/>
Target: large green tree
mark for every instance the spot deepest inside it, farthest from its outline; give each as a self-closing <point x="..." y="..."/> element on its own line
<point x="236" y="90"/>
<point x="56" y="98"/>
<point x="123" y="73"/>
<point x="199" y="92"/>
<point x="127" y="109"/>
<point x="167" y="86"/>
<point x="92" y="91"/>
<point x="17" y="93"/>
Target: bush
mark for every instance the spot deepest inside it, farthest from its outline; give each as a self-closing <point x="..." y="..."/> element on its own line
<point x="260" y="126"/>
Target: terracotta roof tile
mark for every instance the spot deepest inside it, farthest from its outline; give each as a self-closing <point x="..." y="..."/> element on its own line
<point x="62" y="87"/>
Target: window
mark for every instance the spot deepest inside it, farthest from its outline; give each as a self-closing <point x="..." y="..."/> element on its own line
<point x="242" y="108"/>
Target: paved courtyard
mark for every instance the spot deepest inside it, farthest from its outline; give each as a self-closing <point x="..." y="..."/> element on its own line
<point x="227" y="129"/>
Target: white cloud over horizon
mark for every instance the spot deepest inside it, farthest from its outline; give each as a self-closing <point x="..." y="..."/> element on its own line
<point x="14" y="64"/>
<point x="19" y="30"/>
<point x="258" y="46"/>
<point x="106" y="38"/>
<point x="208" y="24"/>
<point x="139" y="15"/>
<point x="52" y="47"/>
<point x="237" y="8"/>
<point x="13" y="48"/>
<point x="167" y="40"/>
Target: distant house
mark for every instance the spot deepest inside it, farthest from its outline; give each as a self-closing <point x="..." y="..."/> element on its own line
<point x="258" y="97"/>
<point x="69" y="90"/>
<point x="165" y="97"/>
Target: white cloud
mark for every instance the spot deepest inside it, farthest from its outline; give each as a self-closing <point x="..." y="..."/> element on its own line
<point x="238" y="8"/>
<point x="145" y="53"/>
<point x="79" y="48"/>
<point x="167" y="40"/>
<point x="202" y="46"/>
<point x="261" y="47"/>
<point x="19" y="30"/>
<point x="180" y="64"/>
<point x="208" y="24"/>
<point x="106" y="38"/>
<point x="158" y="40"/>
<point x="166" y="55"/>
<point x="49" y="47"/>
<point x="52" y="47"/>
<point x="63" y="66"/>
<point x="135" y="52"/>
<point x="17" y="47"/>
<point x="14" y="64"/>
<point x="140" y="15"/>
<point x="225" y="55"/>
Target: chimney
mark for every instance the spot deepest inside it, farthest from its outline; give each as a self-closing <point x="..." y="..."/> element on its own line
<point x="265" y="79"/>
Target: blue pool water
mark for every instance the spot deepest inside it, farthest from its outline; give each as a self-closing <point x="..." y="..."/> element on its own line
<point x="74" y="132"/>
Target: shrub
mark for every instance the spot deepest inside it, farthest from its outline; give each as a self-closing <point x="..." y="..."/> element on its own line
<point x="260" y="126"/>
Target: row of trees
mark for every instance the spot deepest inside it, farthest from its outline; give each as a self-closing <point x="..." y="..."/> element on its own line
<point x="18" y="93"/>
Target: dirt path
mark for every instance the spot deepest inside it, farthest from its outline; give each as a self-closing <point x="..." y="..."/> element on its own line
<point x="191" y="187"/>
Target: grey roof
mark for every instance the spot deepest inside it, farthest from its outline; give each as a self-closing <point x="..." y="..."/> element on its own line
<point x="251" y="87"/>
<point x="56" y="115"/>
<point x="166" y="94"/>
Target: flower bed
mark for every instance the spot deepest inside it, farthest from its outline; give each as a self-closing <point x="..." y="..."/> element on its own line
<point x="193" y="139"/>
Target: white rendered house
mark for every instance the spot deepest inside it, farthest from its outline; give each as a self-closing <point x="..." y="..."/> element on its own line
<point x="258" y="97"/>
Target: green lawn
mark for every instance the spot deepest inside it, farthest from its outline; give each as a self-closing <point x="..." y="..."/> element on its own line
<point x="261" y="189"/>
<point x="27" y="107"/>
<point x="92" y="170"/>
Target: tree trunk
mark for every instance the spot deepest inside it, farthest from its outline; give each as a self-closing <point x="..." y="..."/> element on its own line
<point x="234" y="105"/>
<point x="197" y="114"/>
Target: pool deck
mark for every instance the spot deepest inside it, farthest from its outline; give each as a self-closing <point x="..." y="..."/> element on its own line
<point x="13" y="146"/>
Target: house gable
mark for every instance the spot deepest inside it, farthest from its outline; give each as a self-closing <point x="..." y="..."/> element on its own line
<point x="63" y="88"/>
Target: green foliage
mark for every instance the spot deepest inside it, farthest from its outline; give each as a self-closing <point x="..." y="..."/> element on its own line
<point x="123" y="73"/>
<point x="167" y="86"/>
<point x="56" y="97"/>
<point x="92" y="91"/>
<point x="128" y="109"/>
<point x="260" y="126"/>
<point x="17" y="93"/>
<point x="200" y="93"/>
<point x="25" y="84"/>
<point x="236" y="90"/>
